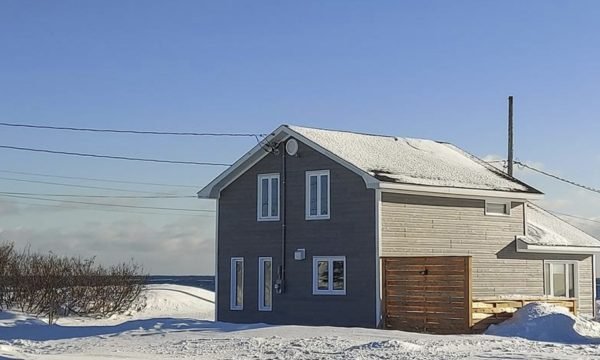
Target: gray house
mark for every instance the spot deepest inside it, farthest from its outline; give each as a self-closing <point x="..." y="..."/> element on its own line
<point x="321" y="227"/>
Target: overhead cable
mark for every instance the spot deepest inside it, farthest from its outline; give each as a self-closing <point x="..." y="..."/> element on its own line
<point x="589" y="188"/>
<point x="97" y="179"/>
<point x="139" y="132"/>
<point x="104" y="196"/>
<point x="113" y="156"/>
<point x="575" y="216"/>
<point x="105" y="204"/>
<point x="122" y="211"/>
<point x="76" y="185"/>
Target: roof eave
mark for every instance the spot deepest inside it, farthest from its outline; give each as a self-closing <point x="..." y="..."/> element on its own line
<point x="524" y="247"/>
<point x="460" y="192"/>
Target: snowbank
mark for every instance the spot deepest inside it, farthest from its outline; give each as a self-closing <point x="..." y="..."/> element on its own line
<point x="177" y="301"/>
<point x="547" y="322"/>
<point x="160" y="301"/>
<point x="175" y="322"/>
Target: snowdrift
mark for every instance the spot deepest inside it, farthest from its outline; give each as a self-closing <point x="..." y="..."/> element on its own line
<point x="174" y="322"/>
<point x="547" y="322"/>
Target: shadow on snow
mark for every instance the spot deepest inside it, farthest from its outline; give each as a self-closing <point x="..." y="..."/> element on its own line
<point x="37" y="330"/>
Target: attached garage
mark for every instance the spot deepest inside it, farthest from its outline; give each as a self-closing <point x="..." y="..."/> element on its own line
<point x="427" y="294"/>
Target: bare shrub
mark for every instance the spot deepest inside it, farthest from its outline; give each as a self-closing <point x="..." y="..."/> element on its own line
<point x="52" y="286"/>
<point x="6" y="258"/>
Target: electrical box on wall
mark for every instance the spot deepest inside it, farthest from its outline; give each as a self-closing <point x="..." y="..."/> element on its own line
<point x="300" y="254"/>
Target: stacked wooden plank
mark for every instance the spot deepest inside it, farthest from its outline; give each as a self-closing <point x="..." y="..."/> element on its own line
<point x="487" y="311"/>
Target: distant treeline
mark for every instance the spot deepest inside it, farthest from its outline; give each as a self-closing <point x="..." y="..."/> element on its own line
<point x="51" y="285"/>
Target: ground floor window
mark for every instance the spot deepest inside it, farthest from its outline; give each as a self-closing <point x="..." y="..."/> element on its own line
<point x="329" y="275"/>
<point x="265" y="283"/>
<point x="560" y="278"/>
<point x="237" y="284"/>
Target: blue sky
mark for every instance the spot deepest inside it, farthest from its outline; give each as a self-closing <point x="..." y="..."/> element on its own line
<point x="427" y="69"/>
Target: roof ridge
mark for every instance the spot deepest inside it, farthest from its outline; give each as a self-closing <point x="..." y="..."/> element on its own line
<point x="290" y="126"/>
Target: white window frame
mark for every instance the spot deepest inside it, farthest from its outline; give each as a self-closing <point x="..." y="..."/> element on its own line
<point x="575" y="264"/>
<point x="259" y="216"/>
<point x="506" y="203"/>
<point x="233" y="284"/>
<point x="330" y="290"/>
<point x="261" y="283"/>
<point x="318" y="173"/>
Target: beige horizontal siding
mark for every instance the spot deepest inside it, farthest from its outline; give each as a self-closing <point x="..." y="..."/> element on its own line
<point x="434" y="226"/>
<point x="586" y="286"/>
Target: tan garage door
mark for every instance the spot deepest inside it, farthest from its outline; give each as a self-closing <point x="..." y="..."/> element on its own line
<point x="427" y="294"/>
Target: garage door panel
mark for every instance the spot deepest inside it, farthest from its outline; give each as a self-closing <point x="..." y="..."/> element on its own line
<point x="427" y="294"/>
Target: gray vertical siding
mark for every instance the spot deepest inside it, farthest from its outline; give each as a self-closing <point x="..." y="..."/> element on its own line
<point x="349" y="232"/>
<point x="435" y="226"/>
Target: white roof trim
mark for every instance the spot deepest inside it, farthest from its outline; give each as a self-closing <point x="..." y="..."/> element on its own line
<point x="238" y="168"/>
<point x="524" y="247"/>
<point x="207" y="192"/>
<point x="456" y="192"/>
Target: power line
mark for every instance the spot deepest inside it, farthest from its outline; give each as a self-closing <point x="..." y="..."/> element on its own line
<point x="575" y="217"/>
<point x="97" y="179"/>
<point x="103" y="204"/>
<point x="112" y="156"/>
<point x="589" y="188"/>
<point x="105" y="196"/>
<point x="105" y="210"/>
<point x="139" y="132"/>
<point x="76" y="186"/>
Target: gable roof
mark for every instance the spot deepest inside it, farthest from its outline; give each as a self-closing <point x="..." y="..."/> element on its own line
<point x="391" y="162"/>
<point x="413" y="161"/>
<point x="546" y="229"/>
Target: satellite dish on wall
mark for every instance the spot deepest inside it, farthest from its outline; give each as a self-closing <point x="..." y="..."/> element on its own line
<point x="291" y="147"/>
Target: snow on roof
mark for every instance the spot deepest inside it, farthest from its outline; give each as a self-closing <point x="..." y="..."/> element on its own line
<point x="413" y="161"/>
<point x="543" y="228"/>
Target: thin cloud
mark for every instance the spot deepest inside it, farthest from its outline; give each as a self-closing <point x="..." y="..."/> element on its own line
<point x="184" y="246"/>
<point x="8" y="207"/>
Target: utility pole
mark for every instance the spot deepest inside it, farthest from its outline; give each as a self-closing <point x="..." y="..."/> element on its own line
<point x="510" y="136"/>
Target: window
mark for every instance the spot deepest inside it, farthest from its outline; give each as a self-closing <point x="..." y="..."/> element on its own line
<point x="265" y="284"/>
<point x="560" y="278"/>
<point x="237" y="284"/>
<point x="329" y="275"/>
<point x="317" y="194"/>
<point x="268" y="197"/>
<point x="497" y="207"/>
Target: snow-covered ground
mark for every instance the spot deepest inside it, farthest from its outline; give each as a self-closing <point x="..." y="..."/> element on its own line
<point x="175" y="322"/>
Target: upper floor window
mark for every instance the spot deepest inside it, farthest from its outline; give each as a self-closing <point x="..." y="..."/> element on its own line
<point x="560" y="278"/>
<point x="268" y="197"/>
<point x="497" y="207"/>
<point x="317" y="194"/>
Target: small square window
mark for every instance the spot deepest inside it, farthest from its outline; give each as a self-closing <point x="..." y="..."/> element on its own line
<point x="329" y="275"/>
<point x="497" y="208"/>
<point x="268" y="197"/>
